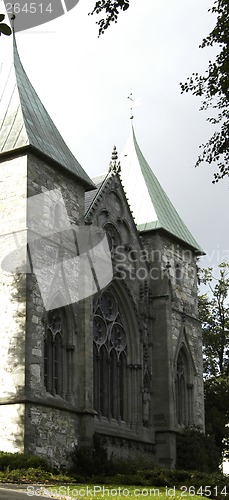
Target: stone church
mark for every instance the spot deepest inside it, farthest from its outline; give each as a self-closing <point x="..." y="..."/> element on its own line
<point x="123" y="362"/>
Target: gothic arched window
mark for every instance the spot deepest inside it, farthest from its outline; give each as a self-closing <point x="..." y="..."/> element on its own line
<point x="54" y="353"/>
<point x="183" y="390"/>
<point x="109" y="357"/>
<point x="112" y="237"/>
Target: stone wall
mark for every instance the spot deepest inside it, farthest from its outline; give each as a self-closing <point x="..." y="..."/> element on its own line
<point x="173" y="281"/>
<point x="23" y="317"/>
<point x="53" y="421"/>
<point x="51" y="433"/>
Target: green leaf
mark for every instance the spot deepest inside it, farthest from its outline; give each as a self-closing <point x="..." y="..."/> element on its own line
<point x="5" y="29"/>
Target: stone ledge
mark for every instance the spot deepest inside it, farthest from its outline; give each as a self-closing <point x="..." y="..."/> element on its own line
<point x="64" y="406"/>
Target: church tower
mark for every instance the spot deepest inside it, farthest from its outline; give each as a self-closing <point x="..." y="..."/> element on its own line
<point x="176" y="342"/>
<point x="46" y="363"/>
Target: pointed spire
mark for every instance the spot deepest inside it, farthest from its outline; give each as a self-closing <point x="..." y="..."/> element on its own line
<point x="151" y="206"/>
<point x="25" y="123"/>
<point x="130" y="97"/>
<point x="12" y="20"/>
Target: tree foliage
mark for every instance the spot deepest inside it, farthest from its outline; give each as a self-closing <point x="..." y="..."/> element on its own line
<point x="213" y="87"/>
<point x="196" y="451"/>
<point x="4" y="28"/>
<point x="217" y="411"/>
<point x="110" y="9"/>
<point x="214" y="315"/>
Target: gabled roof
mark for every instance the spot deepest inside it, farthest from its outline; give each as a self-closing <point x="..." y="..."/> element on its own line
<point x="90" y="196"/>
<point x="24" y="121"/>
<point x="152" y="209"/>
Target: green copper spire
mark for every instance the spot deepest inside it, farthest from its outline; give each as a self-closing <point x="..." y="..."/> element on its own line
<point x="24" y="121"/>
<point x="152" y="209"/>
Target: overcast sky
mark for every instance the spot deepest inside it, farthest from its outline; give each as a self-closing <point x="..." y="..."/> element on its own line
<point x="84" y="82"/>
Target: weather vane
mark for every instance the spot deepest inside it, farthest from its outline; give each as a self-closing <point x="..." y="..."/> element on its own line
<point x="13" y="17"/>
<point x="131" y="105"/>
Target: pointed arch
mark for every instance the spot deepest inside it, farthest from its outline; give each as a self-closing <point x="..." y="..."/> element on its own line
<point x="183" y="344"/>
<point x="59" y="343"/>
<point x="67" y="313"/>
<point x="184" y="383"/>
<point x="115" y="350"/>
<point x="130" y="319"/>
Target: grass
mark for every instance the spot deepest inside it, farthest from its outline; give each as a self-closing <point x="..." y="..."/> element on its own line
<point x="108" y="492"/>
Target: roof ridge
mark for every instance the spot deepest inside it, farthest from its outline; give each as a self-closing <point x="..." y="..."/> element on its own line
<point x="107" y="177"/>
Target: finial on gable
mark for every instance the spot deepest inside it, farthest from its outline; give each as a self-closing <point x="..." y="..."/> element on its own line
<point x="114" y="154"/>
<point x="115" y="166"/>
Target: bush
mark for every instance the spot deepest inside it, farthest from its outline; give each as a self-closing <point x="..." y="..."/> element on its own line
<point x="12" y="461"/>
<point x="196" y="451"/>
<point x="94" y="461"/>
<point x="90" y="461"/>
<point x="131" y="466"/>
<point x="25" y="475"/>
<point x="217" y="484"/>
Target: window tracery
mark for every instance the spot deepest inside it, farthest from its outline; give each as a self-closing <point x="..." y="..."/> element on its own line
<point x="110" y="349"/>
<point x="112" y="237"/>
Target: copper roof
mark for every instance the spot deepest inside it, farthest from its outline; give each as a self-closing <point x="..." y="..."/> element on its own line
<point x="24" y="121"/>
<point x="152" y="208"/>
